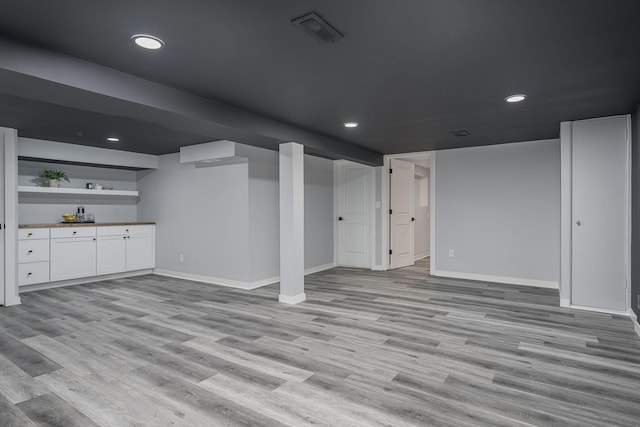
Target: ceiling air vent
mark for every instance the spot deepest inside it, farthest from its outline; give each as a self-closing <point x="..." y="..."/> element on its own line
<point x="460" y="132"/>
<point x="313" y="24"/>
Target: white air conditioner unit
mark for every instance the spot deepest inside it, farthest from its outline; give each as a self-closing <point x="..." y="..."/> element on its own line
<point x="215" y="153"/>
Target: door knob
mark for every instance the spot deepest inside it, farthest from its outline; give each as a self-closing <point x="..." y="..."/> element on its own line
<point x="578" y="223"/>
<point x="339" y="218"/>
<point x="413" y="219"/>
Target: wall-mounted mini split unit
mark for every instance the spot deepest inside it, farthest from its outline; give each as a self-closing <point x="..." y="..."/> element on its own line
<point x="215" y="153"/>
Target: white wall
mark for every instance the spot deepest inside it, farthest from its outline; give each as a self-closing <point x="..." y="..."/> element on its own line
<point x="202" y="213"/>
<point x="421" y="226"/>
<point x="38" y="209"/>
<point x="498" y="208"/>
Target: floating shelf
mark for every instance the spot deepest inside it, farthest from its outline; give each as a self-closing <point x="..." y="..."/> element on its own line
<point x="50" y="191"/>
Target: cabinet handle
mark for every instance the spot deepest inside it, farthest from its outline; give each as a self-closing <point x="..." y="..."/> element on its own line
<point x="74" y="233"/>
<point x="127" y="230"/>
<point x="29" y="252"/>
<point x="94" y="239"/>
<point x="128" y="237"/>
<point x="29" y="235"/>
<point x="124" y="237"/>
<point x="28" y="274"/>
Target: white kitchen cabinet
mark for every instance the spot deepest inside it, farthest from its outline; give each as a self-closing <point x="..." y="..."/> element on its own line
<point x="111" y="254"/>
<point x="33" y="256"/>
<point x="73" y="258"/>
<point x="140" y="248"/>
<point x="125" y="248"/>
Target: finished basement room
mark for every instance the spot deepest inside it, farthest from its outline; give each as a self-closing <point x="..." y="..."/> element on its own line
<point x="304" y="212"/>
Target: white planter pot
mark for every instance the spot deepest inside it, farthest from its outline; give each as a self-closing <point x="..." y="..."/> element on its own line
<point x="54" y="183"/>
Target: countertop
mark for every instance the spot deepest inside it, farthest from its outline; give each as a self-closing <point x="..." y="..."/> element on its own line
<point x="83" y="224"/>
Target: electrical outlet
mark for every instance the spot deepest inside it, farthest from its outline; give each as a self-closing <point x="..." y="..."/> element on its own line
<point x="181" y="258"/>
<point x="451" y="253"/>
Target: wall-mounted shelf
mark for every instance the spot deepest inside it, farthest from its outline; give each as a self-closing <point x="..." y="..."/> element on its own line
<point x="81" y="192"/>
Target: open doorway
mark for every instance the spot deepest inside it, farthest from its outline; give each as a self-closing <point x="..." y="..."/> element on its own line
<point x="409" y="219"/>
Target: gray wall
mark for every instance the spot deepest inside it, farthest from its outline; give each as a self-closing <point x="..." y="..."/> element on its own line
<point x="498" y="208"/>
<point x="38" y="209"/>
<point x="318" y="212"/>
<point x="200" y="212"/>
<point x="264" y="214"/>
<point x="635" y="199"/>
<point x="225" y="219"/>
<point x="421" y="227"/>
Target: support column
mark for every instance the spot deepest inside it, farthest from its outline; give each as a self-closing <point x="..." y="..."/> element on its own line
<point x="9" y="214"/>
<point x="291" y="223"/>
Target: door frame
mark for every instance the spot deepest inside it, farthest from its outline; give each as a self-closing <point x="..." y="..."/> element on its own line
<point x="386" y="194"/>
<point x="566" y="215"/>
<point x="371" y="180"/>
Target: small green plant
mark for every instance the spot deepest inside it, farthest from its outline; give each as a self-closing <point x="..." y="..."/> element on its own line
<point x="54" y="175"/>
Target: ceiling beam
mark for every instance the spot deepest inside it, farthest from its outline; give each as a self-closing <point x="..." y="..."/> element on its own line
<point x="47" y="76"/>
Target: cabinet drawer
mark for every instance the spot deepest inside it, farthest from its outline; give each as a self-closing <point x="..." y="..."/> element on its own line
<point x="63" y="232"/>
<point x="33" y="233"/>
<point x="141" y="230"/>
<point x="32" y="273"/>
<point x="33" y="250"/>
<point x="115" y="230"/>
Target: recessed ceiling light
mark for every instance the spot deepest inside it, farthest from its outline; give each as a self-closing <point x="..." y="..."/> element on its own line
<point x="146" y="41"/>
<point x="515" y="98"/>
<point x="113" y="139"/>
<point x="351" y="124"/>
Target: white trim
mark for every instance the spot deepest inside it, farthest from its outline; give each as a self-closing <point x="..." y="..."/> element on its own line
<point x="216" y="280"/>
<point x="285" y="299"/>
<point x="372" y="217"/>
<point x="496" y="279"/>
<point x="600" y="310"/>
<point x="432" y="210"/>
<point x="629" y="223"/>
<point x="565" y="302"/>
<point x="11" y="291"/>
<point x="378" y="267"/>
<point x="84" y="280"/>
<point x="634" y="319"/>
<point x="421" y="255"/>
<point x="48" y="191"/>
<point x="319" y="268"/>
<point x="234" y="283"/>
<point x="566" y="222"/>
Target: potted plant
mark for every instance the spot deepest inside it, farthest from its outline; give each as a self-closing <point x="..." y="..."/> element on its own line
<point x="54" y="177"/>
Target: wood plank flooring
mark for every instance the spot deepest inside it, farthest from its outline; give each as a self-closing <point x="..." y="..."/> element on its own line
<point x="366" y="349"/>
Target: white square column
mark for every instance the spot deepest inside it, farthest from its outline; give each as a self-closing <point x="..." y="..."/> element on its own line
<point x="291" y="223"/>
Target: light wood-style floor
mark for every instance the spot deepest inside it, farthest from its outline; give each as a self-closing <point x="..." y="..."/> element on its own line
<point x="366" y="348"/>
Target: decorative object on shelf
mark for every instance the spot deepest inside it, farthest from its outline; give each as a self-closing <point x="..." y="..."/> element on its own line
<point x="67" y="217"/>
<point x="90" y="185"/>
<point x="54" y="177"/>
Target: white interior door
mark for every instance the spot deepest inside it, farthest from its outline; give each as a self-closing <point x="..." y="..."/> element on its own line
<point x="600" y="211"/>
<point x="2" y="223"/>
<point x="354" y="215"/>
<point x="402" y="215"/>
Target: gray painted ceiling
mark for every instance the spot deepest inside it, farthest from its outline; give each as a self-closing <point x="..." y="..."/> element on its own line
<point x="409" y="71"/>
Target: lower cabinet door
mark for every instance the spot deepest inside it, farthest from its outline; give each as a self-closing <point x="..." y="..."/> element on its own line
<point x="73" y="258"/>
<point x="111" y="254"/>
<point x="140" y="252"/>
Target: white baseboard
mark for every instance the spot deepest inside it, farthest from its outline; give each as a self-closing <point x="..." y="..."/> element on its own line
<point x="12" y="300"/>
<point x="600" y="310"/>
<point x="634" y="319"/>
<point x="378" y="268"/>
<point x="234" y="283"/>
<point x="319" y="268"/>
<point x="496" y="279"/>
<point x="292" y="299"/>
<point x="565" y="303"/>
<point x="84" y="280"/>
<point x="216" y="280"/>
<point x="422" y="255"/>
